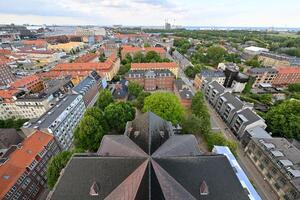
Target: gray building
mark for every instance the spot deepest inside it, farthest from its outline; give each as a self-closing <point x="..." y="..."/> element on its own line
<point x="245" y="119"/>
<point x="255" y="132"/>
<point x="227" y="105"/>
<point x="279" y="162"/>
<point x="60" y="120"/>
<point x="212" y="91"/>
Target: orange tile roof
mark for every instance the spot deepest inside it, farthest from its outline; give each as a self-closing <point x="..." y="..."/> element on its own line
<point x="35" y="42"/>
<point x="8" y="94"/>
<point x="4" y="59"/>
<point x="165" y="65"/>
<point x="86" y="58"/>
<point x="25" y="81"/>
<point x="156" y="49"/>
<point x="128" y="48"/>
<point x="5" y="52"/>
<point x="288" y="70"/>
<point x="18" y="160"/>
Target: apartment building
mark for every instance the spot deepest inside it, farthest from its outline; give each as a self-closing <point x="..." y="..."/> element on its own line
<point x="245" y="119"/>
<point x="66" y="47"/>
<point x="214" y="75"/>
<point x="212" y="90"/>
<point x="274" y="60"/>
<point x="172" y="66"/>
<point x="23" y="167"/>
<point x="107" y="69"/>
<point x="60" y="120"/>
<point x="287" y="75"/>
<point x="89" y="88"/>
<point x="32" y="83"/>
<point x="262" y="75"/>
<point x="227" y="105"/>
<point x="131" y="50"/>
<point x="152" y="79"/>
<point x="6" y="76"/>
<point x="89" y="57"/>
<point x="278" y="162"/>
<point x="255" y="132"/>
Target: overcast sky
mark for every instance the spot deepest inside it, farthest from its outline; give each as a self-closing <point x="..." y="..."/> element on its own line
<point x="268" y="13"/>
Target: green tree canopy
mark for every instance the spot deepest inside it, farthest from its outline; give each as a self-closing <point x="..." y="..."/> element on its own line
<point x="152" y="56"/>
<point x="165" y="105"/>
<point x="12" y="123"/>
<point x="193" y="125"/>
<point x="254" y="62"/>
<point x="218" y="139"/>
<point x="146" y="44"/>
<point x="284" y="119"/>
<point x="56" y="164"/>
<point x="88" y="134"/>
<point x="104" y="99"/>
<point x="98" y="115"/>
<point x="295" y="87"/>
<point x="117" y="114"/>
<point x="141" y="98"/>
<point x="216" y="54"/>
<point x="134" y="88"/>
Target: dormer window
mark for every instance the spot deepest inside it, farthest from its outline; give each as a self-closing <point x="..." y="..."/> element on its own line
<point x="94" y="190"/>
<point x="204" y="188"/>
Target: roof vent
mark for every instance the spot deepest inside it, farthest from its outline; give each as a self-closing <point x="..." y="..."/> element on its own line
<point x="204" y="188"/>
<point x="94" y="190"/>
<point x="136" y="134"/>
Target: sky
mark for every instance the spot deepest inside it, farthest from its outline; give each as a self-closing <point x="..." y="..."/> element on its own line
<point x="243" y="13"/>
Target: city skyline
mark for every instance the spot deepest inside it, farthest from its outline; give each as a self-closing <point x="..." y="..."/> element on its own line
<point x="228" y="13"/>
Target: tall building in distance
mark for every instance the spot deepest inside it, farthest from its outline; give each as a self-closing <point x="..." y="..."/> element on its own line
<point x="167" y="26"/>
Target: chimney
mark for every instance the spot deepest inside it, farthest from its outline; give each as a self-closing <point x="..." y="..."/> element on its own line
<point x="94" y="190"/>
<point x="204" y="188"/>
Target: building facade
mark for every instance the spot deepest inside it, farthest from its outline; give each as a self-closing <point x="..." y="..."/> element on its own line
<point x="131" y="50"/>
<point x="23" y="167"/>
<point x="287" y="75"/>
<point x="218" y="76"/>
<point x="60" y="120"/>
<point x="32" y="83"/>
<point x="152" y="79"/>
<point x="6" y="76"/>
<point x="263" y="75"/>
<point x="172" y="66"/>
<point x="278" y="162"/>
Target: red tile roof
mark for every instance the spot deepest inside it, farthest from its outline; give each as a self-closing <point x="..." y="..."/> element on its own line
<point x="15" y="166"/>
<point x="5" y="52"/>
<point x="31" y="51"/>
<point x="128" y="48"/>
<point x="156" y="49"/>
<point x="8" y="94"/>
<point x="86" y="58"/>
<point x="288" y="70"/>
<point x="25" y="81"/>
<point x="164" y="65"/>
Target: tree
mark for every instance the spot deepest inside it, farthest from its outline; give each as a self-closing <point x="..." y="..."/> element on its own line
<point x="134" y="88"/>
<point x="284" y="119"/>
<point x="88" y="134"/>
<point x="295" y="87"/>
<point x="104" y="99"/>
<point x="102" y="57"/>
<point x="193" y="125"/>
<point x="56" y="164"/>
<point x="152" y="56"/>
<point x="165" y="105"/>
<point x="141" y="98"/>
<point x="146" y="44"/>
<point x="254" y="62"/>
<point x="124" y="69"/>
<point x="218" y="139"/>
<point x="200" y="110"/>
<point x="12" y="123"/>
<point x="98" y="115"/>
<point x="215" y="54"/>
<point x="117" y="114"/>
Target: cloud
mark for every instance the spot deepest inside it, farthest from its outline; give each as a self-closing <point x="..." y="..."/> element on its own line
<point x="152" y="12"/>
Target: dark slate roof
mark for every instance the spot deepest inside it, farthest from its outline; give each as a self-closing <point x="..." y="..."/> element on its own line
<point x="119" y="145"/>
<point x="8" y="137"/>
<point x="81" y="172"/>
<point x="217" y="86"/>
<point x="179" y="145"/>
<point x="260" y="70"/>
<point x="249" y="115"/>
<point x="212" y="73"/>
<point x="216" y="171"/>
<point x="149" y="131"/>
<point x="126" y="168"/>
<point x="237" y="103"/>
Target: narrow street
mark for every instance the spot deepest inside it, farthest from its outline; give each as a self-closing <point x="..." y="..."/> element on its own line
<point x="261" y="186"/>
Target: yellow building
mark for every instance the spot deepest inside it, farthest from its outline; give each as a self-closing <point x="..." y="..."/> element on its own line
<point x="67" y="47"/>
